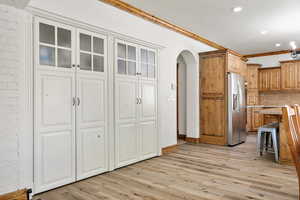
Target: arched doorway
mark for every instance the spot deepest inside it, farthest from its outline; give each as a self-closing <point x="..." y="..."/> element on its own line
<point x="187" y="96"/>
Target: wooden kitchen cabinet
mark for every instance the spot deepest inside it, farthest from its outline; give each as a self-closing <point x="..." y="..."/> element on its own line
<point x="236" y="65"/>
<point x="290" y="75"/>
<point x="213" y="76"/>
<point x="253" y="118"/>
<point x="212" y="117"/>
<point x="252" y="76"/>
<point x="214" y="66"/>
<point x="269" y="79"/>
<point x="257" y="119"/>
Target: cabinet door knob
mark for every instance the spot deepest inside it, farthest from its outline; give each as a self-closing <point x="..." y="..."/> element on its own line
<point x="98" y="136"/>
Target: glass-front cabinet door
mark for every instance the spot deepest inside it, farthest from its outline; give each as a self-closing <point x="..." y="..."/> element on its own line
<point x="92" y="51"/>
<point x="127" y="64"/>
<point x="135" y="61"/>
<point x="55" y="45"/>
<point x="148" y="63"/>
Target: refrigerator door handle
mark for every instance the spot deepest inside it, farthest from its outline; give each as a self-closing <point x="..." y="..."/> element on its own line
<point x="235" y="101"/>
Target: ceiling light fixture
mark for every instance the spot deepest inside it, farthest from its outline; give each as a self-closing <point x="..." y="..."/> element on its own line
<point x="294" y="53"/>
<point x="264" y="32"/>
<point x="293" y="45"/>
<point x="237" y="9"/>
<point x="277" y="44"/>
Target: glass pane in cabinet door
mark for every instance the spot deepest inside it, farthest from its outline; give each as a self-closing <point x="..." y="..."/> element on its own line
<point x="144" y="56"/>
<point x="131" y="53"/>
<point x="85" y="42"/>
<point x="47" y="55"/>
<point x="151" y="71"/>
<point x="144" y="68"/>
<point x="63" y="37"/>
<point x="121" y="50"/>
<point x="85" y="61"/>
<point x="64" y="58"/>
<point x="151" y="57"/>
<point x="121" y="66"/>
<point x="98" y="44"/>
<point x="131" y="68"/>
<point x="47" y="33"/>
<point x="98" y="62"/>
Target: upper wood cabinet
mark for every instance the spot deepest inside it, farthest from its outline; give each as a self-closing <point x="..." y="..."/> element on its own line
<point x="236" y="65"/>
<point x="269" y="79"/>
<point x="212" y="75"/>
<point x="252" y="76"/>
<point x="290" y="75"/>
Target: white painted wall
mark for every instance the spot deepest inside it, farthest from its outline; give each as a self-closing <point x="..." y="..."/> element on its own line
<point x="105" y="16"/>
<point x="182" y="103"/>
<point x="16" y="135"/>
<point x="270" y="61"/>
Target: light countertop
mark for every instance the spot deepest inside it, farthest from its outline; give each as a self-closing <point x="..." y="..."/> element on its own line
<point x="266" y="106"/>
<point x="271" y="111"/>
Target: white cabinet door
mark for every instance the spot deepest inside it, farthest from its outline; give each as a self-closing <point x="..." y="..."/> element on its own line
<point x="91" y="125"/>
<point x="91" y="112"/>
<point x="148" y="100"/>
<point x="148" y="130"/>
<point x="54" y="134"/>
<point x="126" y="149"/>
<point x="127" y="144"/>
<point x="135" y="104"/>
<point x="55" y="129"/>
<point x="149" y="140"/>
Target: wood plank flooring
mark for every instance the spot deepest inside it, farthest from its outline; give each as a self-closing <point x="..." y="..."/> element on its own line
<point x="193" y="172"/>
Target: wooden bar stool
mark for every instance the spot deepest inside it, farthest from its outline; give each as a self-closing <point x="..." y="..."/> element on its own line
<point x="292" y="124"/>
<point x="263" y="137"/>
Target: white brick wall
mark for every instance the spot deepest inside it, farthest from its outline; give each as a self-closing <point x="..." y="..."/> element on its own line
<point x="11" y="95"/>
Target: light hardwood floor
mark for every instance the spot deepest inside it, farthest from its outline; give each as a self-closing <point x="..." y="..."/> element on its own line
<point x="193" y="172"/>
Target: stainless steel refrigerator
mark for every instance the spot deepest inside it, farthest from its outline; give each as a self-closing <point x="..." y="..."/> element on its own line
<point x="236" y="109"/>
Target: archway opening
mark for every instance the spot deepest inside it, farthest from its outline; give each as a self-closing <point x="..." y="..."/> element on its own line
<point x="187" y="95"/>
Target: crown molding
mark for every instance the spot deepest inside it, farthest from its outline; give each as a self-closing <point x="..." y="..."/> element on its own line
<point x="138" y="12"/>
<point x="271" y="53"/>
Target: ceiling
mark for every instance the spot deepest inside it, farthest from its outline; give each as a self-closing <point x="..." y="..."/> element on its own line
<point x="15" y="3"/>
<point x="215" y="21"/>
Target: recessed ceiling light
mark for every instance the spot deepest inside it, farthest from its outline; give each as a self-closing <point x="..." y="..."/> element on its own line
<point x="264" y="32"/>
<point x="277" y="44"/>
<point x="237" y="9"/>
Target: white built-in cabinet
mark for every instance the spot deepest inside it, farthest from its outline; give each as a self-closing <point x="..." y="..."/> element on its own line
<point x="71" y="104"/>
<point x="135" y="103"/>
